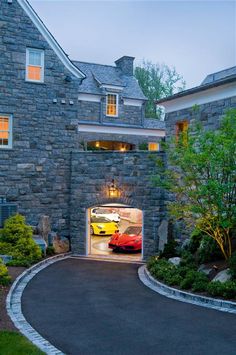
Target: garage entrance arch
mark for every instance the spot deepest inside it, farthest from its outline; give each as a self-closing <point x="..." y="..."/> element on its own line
<point x="133" y="171"/>
<point x="114" y="231"/>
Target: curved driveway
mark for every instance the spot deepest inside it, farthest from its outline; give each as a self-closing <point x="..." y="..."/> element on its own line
<point x="94" y="307"/>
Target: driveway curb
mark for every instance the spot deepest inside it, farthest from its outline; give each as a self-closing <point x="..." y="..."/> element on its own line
<point x="170" y="292"/>
<point x="13" y="305"/>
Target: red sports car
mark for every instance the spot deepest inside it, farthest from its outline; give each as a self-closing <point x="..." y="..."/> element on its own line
<point x="130" y="240"/>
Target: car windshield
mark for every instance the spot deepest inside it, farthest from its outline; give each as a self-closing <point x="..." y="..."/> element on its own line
<point x="133" y="230"/>
<point x="100" y="220"/>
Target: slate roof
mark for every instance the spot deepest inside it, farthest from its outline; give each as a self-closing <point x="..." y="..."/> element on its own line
<point x="211" y="81"/>
<point x="108" y="75"/>
<point x="154" y="123"/>
<point x="219" y="75"/>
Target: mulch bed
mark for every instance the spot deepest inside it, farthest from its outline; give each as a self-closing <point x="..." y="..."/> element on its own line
<point x="5" y="321"/>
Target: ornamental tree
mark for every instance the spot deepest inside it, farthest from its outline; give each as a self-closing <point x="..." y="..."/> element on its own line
<point x="202" y="175"/>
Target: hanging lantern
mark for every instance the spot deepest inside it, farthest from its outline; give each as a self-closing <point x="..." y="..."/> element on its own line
<point x="113" y="190"/>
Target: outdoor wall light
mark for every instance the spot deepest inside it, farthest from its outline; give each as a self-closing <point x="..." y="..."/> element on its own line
<point x="113" y="190"/>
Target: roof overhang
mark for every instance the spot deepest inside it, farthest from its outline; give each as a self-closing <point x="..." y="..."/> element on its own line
<point x="50" y="39"/>
<point x="111" y="129"/>
<point x="200" y="97"/>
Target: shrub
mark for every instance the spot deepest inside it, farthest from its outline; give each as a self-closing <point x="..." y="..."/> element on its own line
<point x="50" y="251"/>
<point x="208" y="250"/>
<point x="16" y="240"/>
<point x="226" y="289"/>
<point x="232" y="265"/>
<point x="188" y="260"/>
<point x="195" y="240"/>
<point x="14" y="229"/>
<point x="5" y="279"/>
<point x="170" y="250"/>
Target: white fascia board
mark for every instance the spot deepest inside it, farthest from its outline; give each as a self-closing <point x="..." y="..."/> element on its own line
<point x="200" y="98"/>
<point x="89" y="97"/>
<point x="133" y="102"/>
<point x="111" y="87"/>
<point x="50" y="39"/>
<point x="121" y="130"/>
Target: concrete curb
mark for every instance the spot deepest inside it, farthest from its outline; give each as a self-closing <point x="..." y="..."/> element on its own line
<point x="13" y="305"/>
<point x="170" y="292"/>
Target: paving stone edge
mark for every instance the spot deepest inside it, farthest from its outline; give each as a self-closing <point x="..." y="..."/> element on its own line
<point x="183" y="296"/>
<point x="13" y="304"/>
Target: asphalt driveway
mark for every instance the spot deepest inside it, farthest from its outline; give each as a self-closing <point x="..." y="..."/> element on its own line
<point x="94" y="307"/>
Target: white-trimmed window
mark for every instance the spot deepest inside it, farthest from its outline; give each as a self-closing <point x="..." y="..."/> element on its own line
<point x="112" y="105"/>
<point x="5" y="131"/>
<point x="34" y="65"/>
<point x="153" y="146"/>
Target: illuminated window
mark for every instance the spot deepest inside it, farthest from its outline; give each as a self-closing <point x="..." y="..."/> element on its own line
<point x="34" y="65"/>
<point x="5" y="131"/>
<point x="112" y="105"/>
<point x="153" y="146"/>
<point x="181" y="131"/>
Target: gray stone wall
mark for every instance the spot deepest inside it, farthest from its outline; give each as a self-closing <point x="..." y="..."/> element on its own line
<point x="92" y="172"/>
<point x="89" y="111"/>
<point x="209" y="115"/>
<point x="35" y="173"/>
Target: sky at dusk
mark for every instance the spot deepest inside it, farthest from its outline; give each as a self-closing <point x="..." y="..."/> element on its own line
<point x="197" y="37"/>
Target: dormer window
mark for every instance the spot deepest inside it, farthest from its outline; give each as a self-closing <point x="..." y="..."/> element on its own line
<point x="112" y="105"/>
<point x="34" y="65"/>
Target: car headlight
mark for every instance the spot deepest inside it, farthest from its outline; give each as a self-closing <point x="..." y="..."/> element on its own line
<point x="100" y="227"/>
<point x="137" y="241"/>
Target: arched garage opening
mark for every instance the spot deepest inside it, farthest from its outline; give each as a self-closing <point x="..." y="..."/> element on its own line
<point x="115" y="231"/>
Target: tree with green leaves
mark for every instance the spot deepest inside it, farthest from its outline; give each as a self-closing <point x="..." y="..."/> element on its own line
<point x="157" y="81"/>
<point x="202" y="176"/>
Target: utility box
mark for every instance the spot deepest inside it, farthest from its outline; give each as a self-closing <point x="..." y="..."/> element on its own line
<point x="7" y="210"/>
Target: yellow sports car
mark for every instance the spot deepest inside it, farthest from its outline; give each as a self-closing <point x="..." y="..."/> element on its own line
<point x="103" y="226"/>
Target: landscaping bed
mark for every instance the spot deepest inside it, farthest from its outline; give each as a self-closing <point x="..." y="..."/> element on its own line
<point x="5" y="321"/>
<point x="181" y="269"/>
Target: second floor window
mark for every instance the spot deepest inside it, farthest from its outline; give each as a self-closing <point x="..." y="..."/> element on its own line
<point x="34" y="65"/>
<point x="112" y="105"/>
<point x="5" y="131"/>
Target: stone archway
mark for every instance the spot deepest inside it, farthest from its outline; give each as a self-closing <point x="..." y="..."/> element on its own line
<point x="133" y="171"/>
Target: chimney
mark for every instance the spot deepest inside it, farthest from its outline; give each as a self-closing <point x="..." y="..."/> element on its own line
<point x="126" y="64"/>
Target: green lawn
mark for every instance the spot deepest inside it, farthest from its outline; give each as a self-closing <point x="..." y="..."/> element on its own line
<point x="12" y="343"/>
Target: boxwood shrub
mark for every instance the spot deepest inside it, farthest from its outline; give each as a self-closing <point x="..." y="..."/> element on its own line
<point x="16" y="240"/>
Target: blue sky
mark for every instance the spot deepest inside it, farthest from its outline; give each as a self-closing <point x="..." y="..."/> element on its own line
<point x="197" y="37"/>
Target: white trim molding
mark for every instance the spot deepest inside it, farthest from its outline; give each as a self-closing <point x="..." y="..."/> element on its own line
<point x="133" y="102"/>
<point x="200" y="98"/>
<point x="50" y="39"/>
<point x="89" y="97"/>
<point x="121" y="130"/>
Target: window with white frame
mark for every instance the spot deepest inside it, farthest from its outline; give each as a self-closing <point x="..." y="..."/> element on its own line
<point x="5" y="131"/>
<point x="34" y="65"/>
<point x="112" y="105"/>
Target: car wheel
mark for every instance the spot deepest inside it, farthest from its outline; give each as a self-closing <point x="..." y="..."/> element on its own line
<point x="91" y="231"/>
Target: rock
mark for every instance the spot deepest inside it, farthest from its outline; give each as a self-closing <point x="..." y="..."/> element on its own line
<point x="175" y="260"/>
<point x="40" y="242"/>
<point x="61" y="244"/>
<point x="163" y="234"/>
<point x="44" y="227"/>
<point x="206" y="269"/>
<point x="6" y="258"/>
<point x="222" y="276"/>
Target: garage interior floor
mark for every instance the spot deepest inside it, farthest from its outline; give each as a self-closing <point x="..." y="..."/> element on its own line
<point x="99" y="246"/>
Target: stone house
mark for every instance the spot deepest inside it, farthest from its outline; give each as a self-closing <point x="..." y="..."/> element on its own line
<point x="213" y="97"/>
<point x="68" y="129"/>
